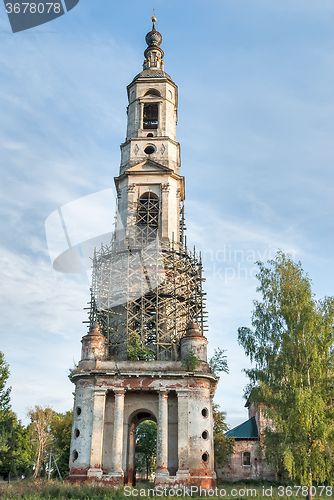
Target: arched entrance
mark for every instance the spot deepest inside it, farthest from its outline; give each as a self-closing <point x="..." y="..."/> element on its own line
<point x="146" y="451"/>
<point x="134" y="420"/>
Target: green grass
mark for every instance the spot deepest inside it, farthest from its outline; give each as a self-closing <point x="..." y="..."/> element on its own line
<point x="53" y="490"/>
<point x="45" y="490"/>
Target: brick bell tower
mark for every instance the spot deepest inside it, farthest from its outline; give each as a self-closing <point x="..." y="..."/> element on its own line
<point x="147" y="312"/>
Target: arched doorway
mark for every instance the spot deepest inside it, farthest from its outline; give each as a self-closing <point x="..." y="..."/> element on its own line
<point x="135" y="419"/>
<point x="145" y="451"/>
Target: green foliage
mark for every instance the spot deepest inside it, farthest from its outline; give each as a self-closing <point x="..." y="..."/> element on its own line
<point x="146" y="447"/>
<point x="60" y="429"/>
<point x="4" y="434"/>
<point x="218" y="362"/>
<point x="5" y="427"/>
<point x="41" y="489"/>
<point x="136" y="351"/>
<point x="53" y="490"/>
<point x="17" y="459"/>
<point x="15" y="451"/>
<point x="22" y="447"/>
<point x="291" y="347"/>
<point x="4" y="393"/>
<point x="190" y="361"/>
<point x="223" y="446"/>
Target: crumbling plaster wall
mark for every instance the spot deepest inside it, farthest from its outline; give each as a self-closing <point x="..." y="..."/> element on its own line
<point x="142" y="387"/>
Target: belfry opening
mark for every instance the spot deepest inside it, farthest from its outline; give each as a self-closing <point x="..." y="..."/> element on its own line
<point x="147" y="317"/>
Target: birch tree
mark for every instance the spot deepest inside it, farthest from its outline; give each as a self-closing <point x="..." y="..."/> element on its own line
<point x="40" y="420"/>
<point x="291" y="348"/>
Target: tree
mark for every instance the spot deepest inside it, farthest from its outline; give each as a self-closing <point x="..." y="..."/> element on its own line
<point x="40" y="421"/>
<point x="218" y="362"/>
<point x="16" y="458"/>
<point x="223" y="446"/>
<point x="61" y="428"/>
<point x="190" y="361"/>
<point x="15" y="451"/>
<point x="4" y="392"/>
<point x="291" y="347"/>
<point x="146" y="446"/>
<point x="4" y="406"/>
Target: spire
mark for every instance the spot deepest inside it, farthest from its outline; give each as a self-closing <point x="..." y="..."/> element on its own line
<point x="153" y="53"/>
<point x="154" y="20"/>
<point x="153" y="38"/>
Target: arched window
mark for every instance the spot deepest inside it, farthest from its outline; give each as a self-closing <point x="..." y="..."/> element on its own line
<point x="152" y="92"/>
<point x="150" y="117"/>
<point x="147" y="216"/>
<point x="246" y="458"/>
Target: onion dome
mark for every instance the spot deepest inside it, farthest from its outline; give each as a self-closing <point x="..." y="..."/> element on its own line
<point x="153" y="38"/>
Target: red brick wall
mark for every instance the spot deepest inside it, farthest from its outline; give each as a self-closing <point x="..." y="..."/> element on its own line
<point x="236" y="471"/>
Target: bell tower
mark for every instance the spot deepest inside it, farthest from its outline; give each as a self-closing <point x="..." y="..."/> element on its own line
<point x="150" y="155"/>
<point x="147" y="316"/>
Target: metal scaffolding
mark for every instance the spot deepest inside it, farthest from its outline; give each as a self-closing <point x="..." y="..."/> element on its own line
<point x="146" y="291"/>
<point x="145" y="297"/>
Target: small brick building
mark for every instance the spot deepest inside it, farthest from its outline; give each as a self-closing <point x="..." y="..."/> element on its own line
<point x="247" y="460"/>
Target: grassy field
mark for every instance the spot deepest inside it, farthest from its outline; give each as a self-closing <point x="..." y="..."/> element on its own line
<point x="47" y="490"/>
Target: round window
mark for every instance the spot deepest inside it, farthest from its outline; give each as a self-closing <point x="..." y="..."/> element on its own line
<point x="149" y="149"/>
<point x="205" y="434"/>
<point x="205" y="412"/>
<point x="75" y="455"/>
<point x="205" y="457"/>
<point x="77" y="433"/>
<point x="78" y="410"/>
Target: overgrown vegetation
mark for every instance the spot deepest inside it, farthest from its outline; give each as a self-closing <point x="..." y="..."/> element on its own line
<point x="218" y="362"/>
<point x="52" y="490"/>
<point x="190" y="361"/>
<point x="136" y="351"/>
<point x="45" y="490"/>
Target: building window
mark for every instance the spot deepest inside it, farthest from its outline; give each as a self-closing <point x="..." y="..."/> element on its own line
<point x="149" y="150"/>
<point x="152" y="93"/>
<point x="246" y="458"/>
<point x="147" y="216"/>
<point x="150" y="117"/>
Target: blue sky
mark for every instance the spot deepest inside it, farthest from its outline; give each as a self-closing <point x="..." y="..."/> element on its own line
<point x="256" y="120"/>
